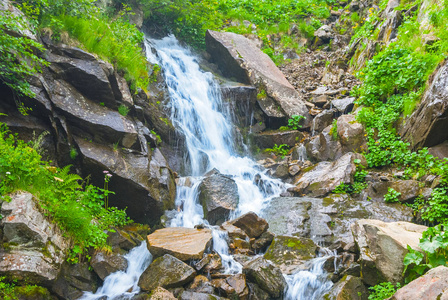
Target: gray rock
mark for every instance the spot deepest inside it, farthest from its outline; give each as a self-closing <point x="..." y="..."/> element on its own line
<point x="144" y="185"/>
<point x="187" y="295"/>
<point x="440" y="150"/>
<point x="323" y="177"/>
<point x="426" y="126"/>
<point x="322" y="120"/>
<point x="219" y="197"/>
<point x="344" y="105"/>
<point x="167" y="272"/>
<point x="409" y="189"/>
<point x="351" y="134"/>
<point x="266" y="276"/>
<point x="104" y="264"/>
<point x="430" y="286"/>
<point x="382" y="247"/>
<point x="323" y="147"/>
<point x="290" y="253"/>
<point x="37" y="247"/>
<point x="238" y="57"/>
<point x="256" y="293"/>
<point x="74" y="280"/>
<point x="323" y="35"/>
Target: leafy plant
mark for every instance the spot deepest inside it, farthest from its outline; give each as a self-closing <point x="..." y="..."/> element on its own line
<point x="392" y="195"/>
<point x="123" y="110"/>
<point x="434" y="243"/>
<point x="334" y="129"/>
<point x="294" y="122"/>
<point x="383" y="290"/>
<point x="281" y="150"/>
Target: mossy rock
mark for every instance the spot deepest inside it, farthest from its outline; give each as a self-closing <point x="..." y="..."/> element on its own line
<point x="290" y="253"/>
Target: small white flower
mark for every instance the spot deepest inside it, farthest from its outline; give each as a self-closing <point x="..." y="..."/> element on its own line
<point x="8" y="173"/>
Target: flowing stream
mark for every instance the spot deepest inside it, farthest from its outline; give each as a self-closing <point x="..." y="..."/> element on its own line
<point x="197" y="111"/>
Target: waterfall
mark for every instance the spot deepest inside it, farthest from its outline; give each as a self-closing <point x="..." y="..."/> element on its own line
<point x="198" y="112"/>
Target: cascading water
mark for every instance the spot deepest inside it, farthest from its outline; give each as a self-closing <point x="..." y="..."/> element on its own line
<point x="124" y="285"/>
<point x="198" y="112"/>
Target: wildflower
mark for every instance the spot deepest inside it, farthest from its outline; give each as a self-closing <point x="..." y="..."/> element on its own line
<point x="105" y="172"/>
<point x="8" y="173"/>
<point x="109" y="175"/>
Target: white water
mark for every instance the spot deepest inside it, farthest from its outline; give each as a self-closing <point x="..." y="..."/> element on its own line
<point x="124" y="285"/>
<point x="198" y="112"/>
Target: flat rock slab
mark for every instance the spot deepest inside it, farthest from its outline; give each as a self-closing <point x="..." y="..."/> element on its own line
<point x="182" y="243"/>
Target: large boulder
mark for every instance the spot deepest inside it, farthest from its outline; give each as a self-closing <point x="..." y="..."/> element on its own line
<point x="219" y="197"/>
<point x="382" y="248"/>
<point x="325" y="176"/>
<point x="34" y="248"/>
<point x="426" y="126"/>
<point x="324" y="147"/>
<point x="431" y="286"/>
<point x="146" y="186"/>
<point x="328" y="220"/>
<point x="349" y="287"/>
<point x="290" y="253"/>
<point x="167" y="272"/>
<point x="183" y="243"/>
<point x="322" y="121"/>
<point x="266" y="276"/>
<point x="238" y="57"/>
<point x="74" y="280"/>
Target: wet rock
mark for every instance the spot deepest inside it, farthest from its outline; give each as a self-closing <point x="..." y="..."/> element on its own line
<point x="120" y="240"/>
<point x="323" y="177"/>
<point x="382" y="247"/>
<point x="261" y="243"/>
<point x="282" y="171"/>
<point x="160" y="293"/>
<point x="238" y="283"/>
<point x="252" y="225"/>
<point x="219" y="197"/>
<point x="238" y="57"/>
<point x="187" y="295"/>
<point x="256" y="293"/>
<point x="167" y="272"/>
<point x="266" y="276"/>
<point x="146" y="186"/>
<point x="324" y="147"/>
<point x="430" y="286"/>
<point x="74" y="280"/>
<point x="233" y="231"/>
<point x="201" y="284"/>
<point x="426" y="126"/>
<point x="349" y="287"/>
<point x="182" y="243"/>
<point x="36" y="247"/>
<point x="344" y="105"/>
<point x="351" y="134"/>
<point x="290" y="253"/>
<point x="223" y="287"/>
<point x="270" y="138"/>
<point x="104" y="264"/>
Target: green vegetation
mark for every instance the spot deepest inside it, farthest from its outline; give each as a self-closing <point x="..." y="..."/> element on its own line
<point x="18" y="57"/>
<point x="359" y="182"/>
<point x="10" y="291"/>
<point x="392" y="195"/>
<point x="434" y="243"/>
<point x="280" y="150"/>
<point x="294" y="122"/>
<point x="77" y="207"/>
<point x="383" y="290"/>
<point x="269" y="20"/>
<point x="334" y="130"/>
<point x="123" y="110"/>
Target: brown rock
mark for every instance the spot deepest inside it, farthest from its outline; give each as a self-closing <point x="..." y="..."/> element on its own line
<point x="160" y="293"/>
<point x="183" y="243"/>
<point x="253" y="225"/>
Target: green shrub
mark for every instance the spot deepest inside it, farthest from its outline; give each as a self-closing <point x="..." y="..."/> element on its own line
<point x="77" y="208"/>
<point x="281" y="150"/>
<point x="392" y="195"/>
<point x="294" y="122"/>
<point x="383" y="290"/>
<point x="123" y="110"/>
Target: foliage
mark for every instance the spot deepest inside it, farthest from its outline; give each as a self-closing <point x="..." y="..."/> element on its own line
<point x="392" y="195"/>
<point x="123" y="110"/>
<point x="334" y="129"/>
<point x="7" y="290"/>
<point x="434" y="243"/>
<point x="294" y="122"/>
<point x="281" y="150"/>
<point x="383" y="290"/>
<point x="189" y="19"/>
<point x="18" y="54"/>
<point x="359" y="182"/>
<point x="77" y="208"/>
